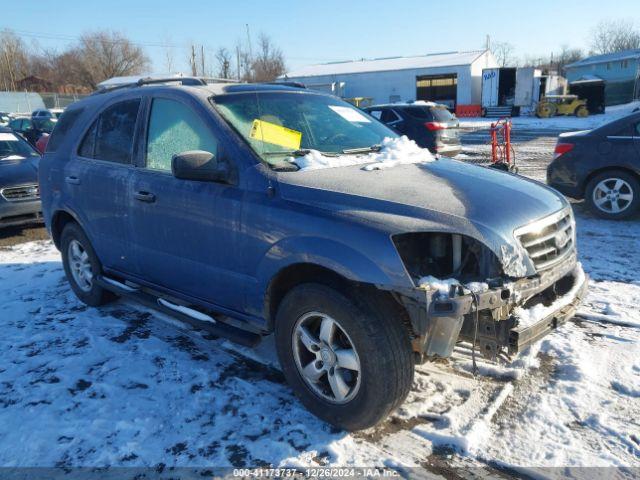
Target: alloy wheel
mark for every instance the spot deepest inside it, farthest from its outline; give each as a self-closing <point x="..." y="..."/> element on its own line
<point x="612" y="195"/>
<point x="326" y="357"/>
<point x="80" y="265"/>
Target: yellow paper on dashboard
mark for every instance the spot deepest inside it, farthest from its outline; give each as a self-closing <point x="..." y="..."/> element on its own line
<point x="275" y="134"/>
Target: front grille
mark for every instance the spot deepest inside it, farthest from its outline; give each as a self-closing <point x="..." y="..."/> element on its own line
<point x="21" y="193"/>
<point x="550" y="240"/>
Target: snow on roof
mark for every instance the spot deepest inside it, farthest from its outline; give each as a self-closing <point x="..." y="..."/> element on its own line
<point x="116" y="81"/>
<point x="446" y="59"/>
<point x="607" y="57"/>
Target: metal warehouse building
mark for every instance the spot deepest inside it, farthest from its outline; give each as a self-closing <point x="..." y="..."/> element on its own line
<point x="619" y="71"/>
<point x="452" y="78"/>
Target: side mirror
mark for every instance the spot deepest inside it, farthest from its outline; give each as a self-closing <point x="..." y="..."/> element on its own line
<point x="199" y="165"/>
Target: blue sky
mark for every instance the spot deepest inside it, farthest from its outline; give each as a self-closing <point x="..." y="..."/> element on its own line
<point x="316" y="32"/>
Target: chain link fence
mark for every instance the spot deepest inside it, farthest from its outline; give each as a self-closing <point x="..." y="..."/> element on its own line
<point x="25" y="102"/>
<point x="59" y="100"/>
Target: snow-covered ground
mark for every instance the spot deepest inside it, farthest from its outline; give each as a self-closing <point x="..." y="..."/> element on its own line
<point x="560" y="122"/>
<point x="126" y="386"/>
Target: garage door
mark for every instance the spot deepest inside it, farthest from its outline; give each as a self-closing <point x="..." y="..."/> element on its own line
<point x="438" y="88"/>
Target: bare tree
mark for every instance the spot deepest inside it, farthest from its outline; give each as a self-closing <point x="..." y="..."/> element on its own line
<point x="504" y="53"/>
<point x="223" y="59"/>
<point x="566" y="56"/>
<point x="168" y="54"/>
<point x="268" y="64"/>
<point x="106" y="54"/>
<point x="615" y="36"/>
<point x="14" y="59"/>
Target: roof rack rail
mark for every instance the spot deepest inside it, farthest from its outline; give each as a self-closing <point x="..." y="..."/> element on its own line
<point x="186" y="81"/>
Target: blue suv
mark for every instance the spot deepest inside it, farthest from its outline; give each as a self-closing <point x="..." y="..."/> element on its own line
<point x="248" y="209"/>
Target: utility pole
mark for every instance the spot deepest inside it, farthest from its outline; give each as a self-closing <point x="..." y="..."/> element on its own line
<point x="238" y="60"/>
<point x="249" y="42"/>
<point x="193" y="61"/>
<point x="202" y="59"/>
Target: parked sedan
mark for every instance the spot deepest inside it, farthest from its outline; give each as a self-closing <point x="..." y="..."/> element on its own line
<point x="601" y="166"/>
<point x="429" y="124"/>
<point x="43" y="113"/>
<point x="19" y="192"/>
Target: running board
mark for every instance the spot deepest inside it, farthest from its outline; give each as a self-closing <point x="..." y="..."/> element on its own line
<point x="186" y="315"/>
<point x="120" y="285"/>
<point x="196" y="315"/>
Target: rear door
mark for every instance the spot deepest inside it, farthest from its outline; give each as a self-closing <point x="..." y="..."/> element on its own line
<point x="624" y="146"/>
<point x="185" y="232"/>
<point x="96" y="182"/>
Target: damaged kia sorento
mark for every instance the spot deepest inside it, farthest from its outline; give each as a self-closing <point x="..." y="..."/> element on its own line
<point x="248" y="209"/>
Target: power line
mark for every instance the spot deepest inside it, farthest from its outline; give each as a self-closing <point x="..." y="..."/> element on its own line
<point x="71" y="38"/>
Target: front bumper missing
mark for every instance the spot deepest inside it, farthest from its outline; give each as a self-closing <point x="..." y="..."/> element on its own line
<point x="521" y="337"/>
<point x="447" y="319"/>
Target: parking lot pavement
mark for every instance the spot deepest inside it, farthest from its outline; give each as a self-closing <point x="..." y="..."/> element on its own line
<point x="15" y="235"/>
<point x="533" y="149"/>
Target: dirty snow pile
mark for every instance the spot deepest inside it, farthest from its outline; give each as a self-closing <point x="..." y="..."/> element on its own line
<point x="394" y="151"/>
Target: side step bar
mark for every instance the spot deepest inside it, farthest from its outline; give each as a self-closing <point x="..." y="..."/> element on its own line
<point x="186" y="315"/>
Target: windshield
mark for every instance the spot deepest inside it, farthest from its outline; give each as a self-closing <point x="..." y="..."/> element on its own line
<point x="11" y="146"/>
<point x="284" y="124"/>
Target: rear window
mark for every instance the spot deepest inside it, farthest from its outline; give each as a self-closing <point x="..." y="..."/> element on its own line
<point x="110" y="137"/>
<point x="437" y="114"/>
<point x="62" y="127"/>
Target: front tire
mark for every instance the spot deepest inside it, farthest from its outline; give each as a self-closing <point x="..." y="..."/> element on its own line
<point x="614" y="195"/>
<point x="350" y="362"/>
<point x="81" y="265"/>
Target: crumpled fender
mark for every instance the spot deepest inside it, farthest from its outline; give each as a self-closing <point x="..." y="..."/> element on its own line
<point x="386" y="270"/>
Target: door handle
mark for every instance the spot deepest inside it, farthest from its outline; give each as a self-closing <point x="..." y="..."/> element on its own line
<point x="72" y="180"/>
<point x="145" y="197"/>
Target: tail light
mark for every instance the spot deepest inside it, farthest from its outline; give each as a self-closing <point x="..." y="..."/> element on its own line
<point x="561" y="149"/>
<point x="435" y="126"/>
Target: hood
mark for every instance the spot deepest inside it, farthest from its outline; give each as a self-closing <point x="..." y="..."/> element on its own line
<point x="18" y="171"/>
<point x="443" y="195"/>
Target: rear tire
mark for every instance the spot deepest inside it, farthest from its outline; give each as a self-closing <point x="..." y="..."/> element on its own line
<point x="375" y="379"/>
<point x="582" y="112"/>
<point x="613" y="194"/>
<point x="81" y="265"/>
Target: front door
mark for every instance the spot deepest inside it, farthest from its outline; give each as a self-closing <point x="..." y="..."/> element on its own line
<point x="96" y="182"/>
<point x="185" y="232"/>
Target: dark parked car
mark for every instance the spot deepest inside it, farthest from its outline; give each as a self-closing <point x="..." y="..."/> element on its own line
<point x="32" y="128"/>
<point x="601" y="166"/>
<point x="189" y="199"/>
<point x="430" y="125"/>
<point x="19" y="193"/>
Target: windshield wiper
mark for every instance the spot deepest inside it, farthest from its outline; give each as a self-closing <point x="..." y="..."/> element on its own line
<point x="300" y="153"/>
<point x="293" y="153"/>
<point x="353" y="151"/>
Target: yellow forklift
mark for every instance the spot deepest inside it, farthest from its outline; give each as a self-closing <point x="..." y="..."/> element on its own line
<point x="552" y="105"/>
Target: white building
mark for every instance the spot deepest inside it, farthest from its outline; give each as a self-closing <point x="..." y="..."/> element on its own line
<point x="452" y="78"/>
